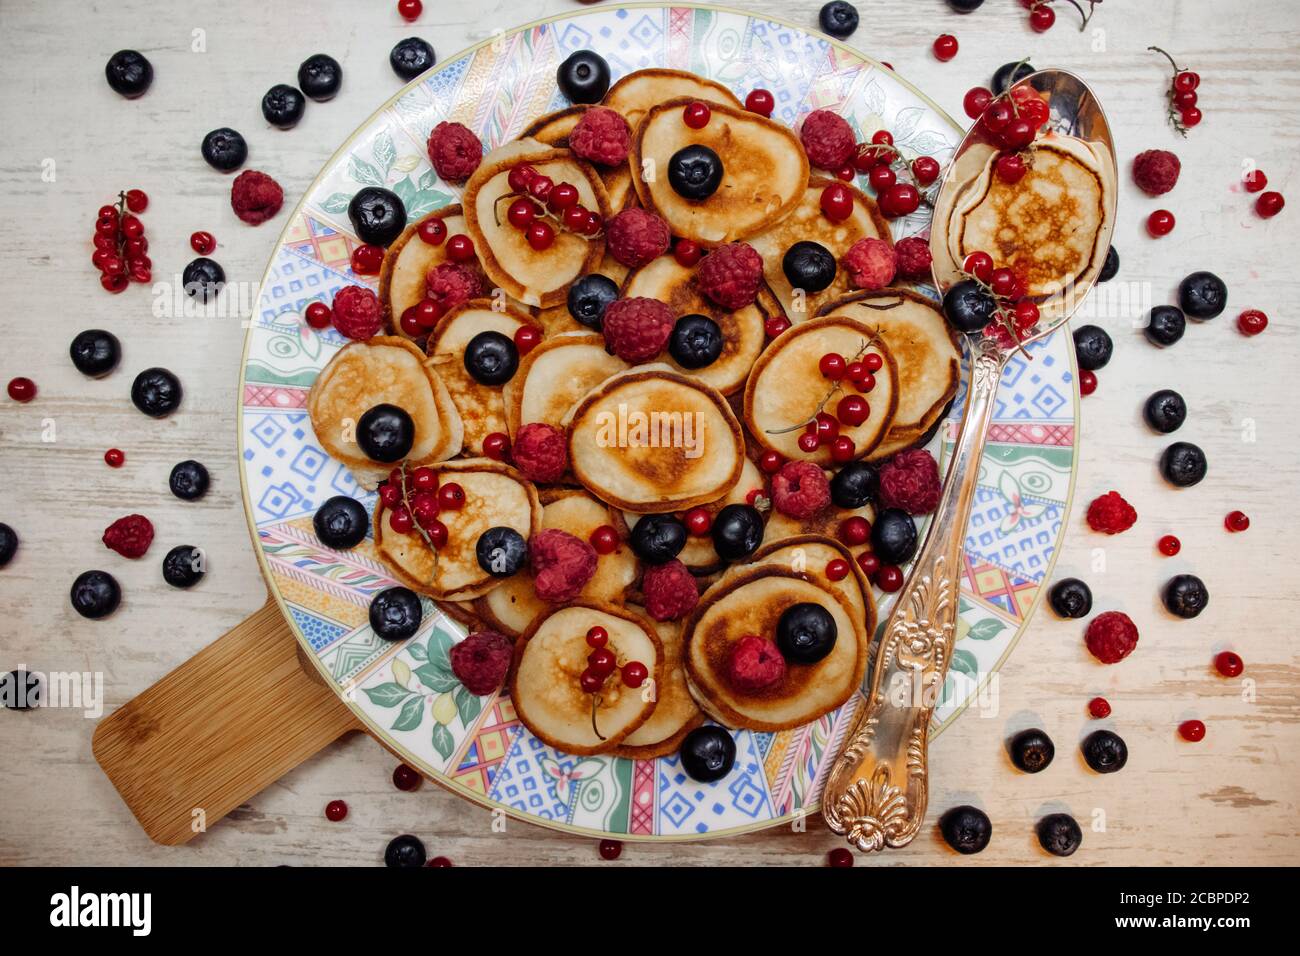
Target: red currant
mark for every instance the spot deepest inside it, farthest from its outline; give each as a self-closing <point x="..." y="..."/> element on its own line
<point x="137" y="200"/>
<point x="900" y="199"/>
<point x="825" y="426"/>
<point x="1169" y="545"/>
<point x="1185" y="101"/>
<point x="979" y="265"/>
<point x="889" y="578"/>
<point x="563" y="196"/>
<point x="945" y="47"/>
<point x="634" y="673"/>
<point x="406" y="778"/>
<point x="1087" y="382"/>
<point x="873" y="361"/>
<point x="1252" y="322"/>
<point x="865" y="383"/>
<point x="604" y="539"/>
<point x="574" y="219"/>
<point x="451" y="497"/>
<point x="1003" y="283"/>
<point x="855" y="530"/>
<point x="1269" y="204"/>
<point x="367" y="260"/>
<point x="1236" y="521"/>
<point x="869" y="563"/>
<point x="687" y="252"/>
<point x="698" y="521"/>
<point x="201" y="242"/>
<point x="22" y="389"/>
<point x="809" y="442"/>
<point x="526" y="338"/>
<point x="999" y="115"/>
<point x="1042" y="17"/>
<point x="437" y="532"/>
<point x="540" y="187"/>
<point x="1190" y="117"/>
<point x="1192" y="730"/>
<point x="976" y="101"/>
<point x="521" y="213"/>
<point x="696" y="115"/>
<point x="460" y="248"/>
<point x="882" y="137"/>
<point x="1186" y="81"/>
<point x="1010" y="168"/>
<point x="1019" y="133"/>
<point x="427" y="313"/>
<point x="335" y="811"/>
<point x="1160" y="223"/>
<point x="832" y="366"/>
<point x="1228" y="664"/>
<point x="840" y="858"/>
<point x="770" y="462"/>
<point x="597" y="636"/>
<point x="760" y="101"/>
<point x="837" y="202"/>
<point x="881" y="177"/>
<point x="925" y="169"/>
<point x="775" y="325"/>
<point x="424" y="479"/>
<point x="400" y="520"/>
<point x="590" y="681"/>
<point x="520" y="177"/>
<point x="846" y="173"/>
<point x="424" y="508"/>
<point x="602" y="661"/>
<point x="1255" y="180"/>
<point x="114" y="458"/>
<point x="1035" y="111"/>
<point x="1099" y="707"/>
<point x="852" y="410"/>
<point x="612" y="849"/>
<point x="540" y="235"/>
<point x="843" y="449"/>
<point x="1026" y="314"/>
<point x="433" y="231"/>
<point x="132" y="227"/>
<point x="114" y="282"/>
<point x="390" y="495"/>
<point x="410" y="9"/>
<point x="496" y="445"/>
<point x="837" y="569"/>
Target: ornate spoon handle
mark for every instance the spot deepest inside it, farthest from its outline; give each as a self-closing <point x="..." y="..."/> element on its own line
<point x="876" y="793"/>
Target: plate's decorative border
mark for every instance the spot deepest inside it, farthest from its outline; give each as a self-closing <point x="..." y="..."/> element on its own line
<point x="405" y="694"/>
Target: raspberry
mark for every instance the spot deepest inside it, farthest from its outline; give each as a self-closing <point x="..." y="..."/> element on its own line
<point x="634" y="237"/>
<point x="1111" y="636"/>
<point x="1156" y="171"/>
<point x="827" y="139"/>
<point x="452" y="283"/>
<point x="670" y="591"/>
<point x="601" y="136"/>
<point x="357" y="313"/>
<point x="800" y="489"/>
<point x="913" y="255"/>
<point x="454" y="151"/>
<point x="637" y="329"/>
<point x="1111" y="513"/>
<point x="755" y="663"/>
<point x="255" y="197"/>
<point x="910" y="480"/>
<point x="561" y="564"/>
<point x="730" y="275"/>
<point x="871" y="263"/>
<point x="130" y="536"/>
<point x="481" y="660"/>
<point x="541" y="452"/>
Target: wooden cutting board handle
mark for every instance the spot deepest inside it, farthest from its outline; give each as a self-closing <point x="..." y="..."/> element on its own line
<point x="220" y="728"/>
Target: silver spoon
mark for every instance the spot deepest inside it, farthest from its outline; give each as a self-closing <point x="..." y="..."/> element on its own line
<point x="877" y="790"/>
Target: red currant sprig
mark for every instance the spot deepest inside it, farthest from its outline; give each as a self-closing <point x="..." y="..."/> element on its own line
<point x="1183" y="112"/>
<point x="120" y="243"/>
<point x="415" y="498"/>
<point x="1042" y="16"/>
<point x="1016" y="314"/>
<point x="823" y="428"/>
<point x="539" y="205"/>
<point x="601" y="663"/>
<point x="882" y="162"/>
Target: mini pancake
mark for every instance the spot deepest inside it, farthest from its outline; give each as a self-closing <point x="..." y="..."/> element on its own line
<point x="382" y="370"/>
<point x="807" y="223"/>
<point x="555" y="376"/>
<point x="553" y="129"/>
<point x="752" y="602"/>
<point x="764" y="171"/>
<point x="826" y="521"/>
<point x="534" y="277"/>
<point x="652" y="440"/>
<point x="549" y="660"/>
<point x="557" y="318"/>
<point x="481" y="407"/>
<point x="676" y="714"/>
<point x="636" y="93"/>
<point x="495" y="496"/>
<point x="462" y="612"/>
<point x="786" y="387"/>
<point x="743" y="335"/>
<point x="407" y="262"/>
<point x="511" y="607"/>
<point x="926" y="349"/>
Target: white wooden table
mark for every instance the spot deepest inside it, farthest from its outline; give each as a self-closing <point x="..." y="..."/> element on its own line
<point x="1228" y="800"/>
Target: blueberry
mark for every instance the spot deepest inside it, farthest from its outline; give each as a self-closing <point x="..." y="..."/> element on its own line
<point x="1183" y="464"/>
<point x="809" y="266"/>
<point x="95" y="594"/>
<point x="1092" y="346"/>
<point x="1070" y="597"/>
<point x="855" y="484"/>
<point x="965" y="6"/>
<point x="1058" y="834"/>
<point x="1002" y="78"/>
<point x="395" y="613"/>
<point x="95" y="352"/>
<point x="696" y="341"/>
<point x="1165" y="410"/>
<point x="184" y="566"/>
<point x="8" y="543"/>
<point x="737" y="532"/>
<point x="893" y="536"/>
<point x="968" y="307"/>
<point x="708" y="753"/>
<point x="385" y="433"/>
<point x="411" y="57"/>
<point x="966" y="829"/>
<point x="501" y="551"/>
<point x="491" y="358"/>
<point x="805" y="633"/>
<point x="1202" y="295"/>
<point x="657" y="539"/>
<point x="405" y="851"/>
<point x="377" y="215"/>
<point x="283" y="105"/>
<point x="1032" y="750"/>
<point x="129" y="73"/>
<point x="188" y="480"/>
<point x="589" y="297"/>
<point x="1185" y="595"/>
<point x="838" y="18"/>
<point x="224" y="149"/>
<point x="203" y="279"/>
<point x="695" y="172"/>
<point x="341" y="522"/>
<point x="20" y="690"/>
<point x="1165" y="325"/>
<point x="320" y="77"/>
<point x="1111" y="266"/>
<point x="1105" y="751"/>
<point x="583" y="77"/>
<point x="156" y="392"/>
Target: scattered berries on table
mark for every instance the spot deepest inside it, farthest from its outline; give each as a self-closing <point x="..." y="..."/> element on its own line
<point x="1111" y="514"/>
<point x="1032" y="750"/>
<point x="255" y="197"/>
<point x="1269" y="204"/>
<point x="1236" y="521"/>
<point x="224" y="149"/>
<point x="1099" y="708"/>
<point x="404" y="852"/>
<point x="1252" y="322"/>
<point x="1105" y="751"/>
<point x="945" y="47"/>
<point x="22" y="389"/>
<point x="610" y="849"/>
<point x="1192" y="730"/>
<point x="1228" y="664"/>
<point x="1185" y="595"/>
<point x="966" y="829"/>
<point x="1156" y="171"/>
<point x="1111" y="636"/>
<point x="129" y="536"/>
<point x="1070" y="598"/>
<point x="336" y="811"/>
<point x="114" y="458"/>
<point x="838" y="18"/>
<point x="1169" y="545"/>
<point x="1059" y="834"/>
<point x="411" y="57"/>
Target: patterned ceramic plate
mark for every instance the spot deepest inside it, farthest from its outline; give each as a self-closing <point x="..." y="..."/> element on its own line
<point x="405" y="694"/>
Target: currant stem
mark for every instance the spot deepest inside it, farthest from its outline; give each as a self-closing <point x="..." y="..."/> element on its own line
<point x="1172" y="62"/>
<point x="595" y="702"/>
<point x="835" y="389"/>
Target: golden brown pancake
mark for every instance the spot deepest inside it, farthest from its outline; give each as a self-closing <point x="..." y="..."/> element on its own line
<point x="553" y="129"/>
<point x="555" y="376"/>
<point x="765" y="171"/>
<point x="636" y="93"/>
<point x="807" y="223"/>
<point x="786" y="388"/>
<point x="495" y="496"/>
<point x="651" y="440"/>
<point x="382" y="370"/>
<point x="751" y="602"/>
<point x="549" y="660"/>
<point x="407" y="262"/>
<point x="676" y="714"/>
